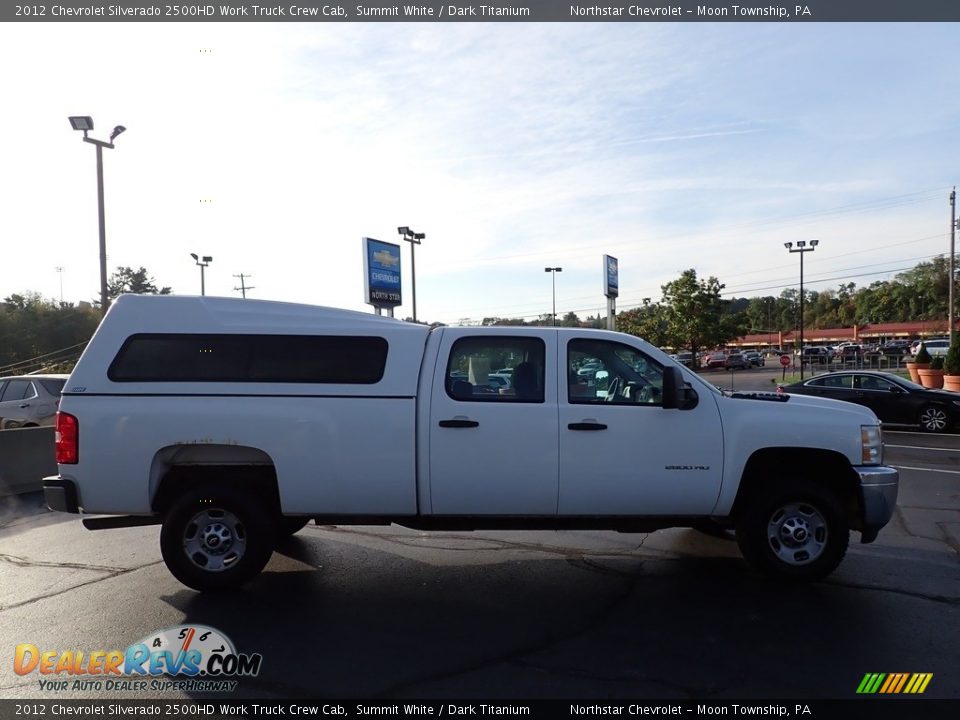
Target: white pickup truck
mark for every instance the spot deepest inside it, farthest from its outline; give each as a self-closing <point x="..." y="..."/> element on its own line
<point x="235" y="422"/>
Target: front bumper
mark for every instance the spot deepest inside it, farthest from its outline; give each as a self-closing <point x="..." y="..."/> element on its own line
<point x="879" y="485"/>
<point x="60" y="494"/>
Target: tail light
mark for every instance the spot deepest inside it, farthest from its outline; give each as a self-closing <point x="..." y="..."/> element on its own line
<point x="68" y="430"/>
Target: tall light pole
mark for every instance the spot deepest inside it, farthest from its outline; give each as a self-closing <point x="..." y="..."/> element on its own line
<point x="801" y="248"/>
<point x="553" y="275"/>
<point x="202" y="262"/>
<point x="953" y="227"/>
<point x="60" y="273"/>
<point x="413" y="238"/>
<point x="85" y="123"/>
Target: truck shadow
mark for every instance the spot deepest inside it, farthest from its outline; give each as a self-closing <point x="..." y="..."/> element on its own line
<point x="340" y="620"/>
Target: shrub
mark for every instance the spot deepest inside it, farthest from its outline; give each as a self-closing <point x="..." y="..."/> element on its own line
<point x="937" y="363"/>
<point x="951" y="365"/>
<point x="922" y="355"/>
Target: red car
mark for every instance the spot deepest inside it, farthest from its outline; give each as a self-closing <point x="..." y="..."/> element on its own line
<point x="715" y="360"/>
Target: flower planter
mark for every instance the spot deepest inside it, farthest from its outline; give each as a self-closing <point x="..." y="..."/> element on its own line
<point x="931" y="378"/>
<point x="913" y="369"/>
<point x="951" y="382"/>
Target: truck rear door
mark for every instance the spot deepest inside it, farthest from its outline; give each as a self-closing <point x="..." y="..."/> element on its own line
<point x="494" y="450"/>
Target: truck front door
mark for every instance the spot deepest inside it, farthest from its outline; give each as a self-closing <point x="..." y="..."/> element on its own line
<point x="621" y="451"/>
<point x="494" y="448"/>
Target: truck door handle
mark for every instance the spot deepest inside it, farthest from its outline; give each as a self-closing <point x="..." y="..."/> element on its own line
<point x="459" y="423"/>
<point x="586" y="426"/>
<point x="25" y="405"/>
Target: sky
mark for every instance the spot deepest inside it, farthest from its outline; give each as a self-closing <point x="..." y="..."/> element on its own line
<point x="276" y="147"/>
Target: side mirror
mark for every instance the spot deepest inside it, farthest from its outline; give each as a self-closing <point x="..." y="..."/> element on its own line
<point x="677" y="395"/>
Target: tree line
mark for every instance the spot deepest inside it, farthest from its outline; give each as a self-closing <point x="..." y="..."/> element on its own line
<point x="43" y="335"/>
<point x="692" y="314"/>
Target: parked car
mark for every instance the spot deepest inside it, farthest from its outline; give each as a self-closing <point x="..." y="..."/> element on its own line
<point x="498" y="382"/>
<point x="893" y="399"/>
<point x="850" y="352"/>
<point x="815" y="355"/>
<point x="686" y="359"/>
<point x="935" y="347"/>
<point x="589" y="369"/>
<point x="736" y="361"/>
<point x="754" y="358"/>
<point x="895" y="347"/>
<point x="715" y="360"/>
<point x="29" y="400"/>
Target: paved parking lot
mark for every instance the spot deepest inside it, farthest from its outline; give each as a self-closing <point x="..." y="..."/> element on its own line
<point x="389" y="612"/>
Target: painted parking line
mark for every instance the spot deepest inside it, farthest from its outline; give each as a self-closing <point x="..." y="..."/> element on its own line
<point x="907" y="467"/>
<point x="921" y="447"/>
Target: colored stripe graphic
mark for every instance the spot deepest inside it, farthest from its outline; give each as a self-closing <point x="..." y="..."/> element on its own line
<point x="862" y="687"/>
<point x="873" y="681"/>
<point x="894" y="683"/>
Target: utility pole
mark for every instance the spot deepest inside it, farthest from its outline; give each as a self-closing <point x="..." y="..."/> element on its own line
<point x="953" y="229"/>
<point x="243" y="288"/>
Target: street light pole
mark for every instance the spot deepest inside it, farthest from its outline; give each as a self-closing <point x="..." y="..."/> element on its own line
<point x="413" y="238"/>
<point x="953" y="227"/>
<point x="553" y="274"/>
<point x="801" y="248"/>
<point x="202" y="262"/>
<point x="85" y="123"/>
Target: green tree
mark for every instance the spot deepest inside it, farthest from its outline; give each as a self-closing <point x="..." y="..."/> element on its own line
<point x="649" y="321"/>
<point x="570" y="320"/>
<point x="138" y="282"/>
<point x="697" y="316"/>
<point x="38" y="334"/>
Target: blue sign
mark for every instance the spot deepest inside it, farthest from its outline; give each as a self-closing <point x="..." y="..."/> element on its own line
<point x="611" y="277"/>
<point x="381" y="273"/>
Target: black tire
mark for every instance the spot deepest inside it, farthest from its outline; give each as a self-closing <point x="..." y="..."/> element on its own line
<point x="290" y="525"/>
<point x="217" y="537"/>
<point x="796" y="530"/>
<point x="933" y="419"/>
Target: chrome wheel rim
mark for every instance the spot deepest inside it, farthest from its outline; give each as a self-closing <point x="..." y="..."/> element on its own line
<point x="215" y="540"/>
<point x="797" y="533"/>
<point x="934" y="419"/>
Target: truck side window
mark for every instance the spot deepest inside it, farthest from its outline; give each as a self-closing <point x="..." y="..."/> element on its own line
<point x="600" y="371"/>
<point x="159" y="357"/>
<point x="496" y="369"/>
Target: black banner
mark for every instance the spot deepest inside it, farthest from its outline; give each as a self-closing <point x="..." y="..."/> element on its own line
<point x="855" y="709"/>
<point x="485" y="11"/>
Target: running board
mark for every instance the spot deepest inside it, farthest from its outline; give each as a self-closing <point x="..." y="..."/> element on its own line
<point x="120" y="521"/>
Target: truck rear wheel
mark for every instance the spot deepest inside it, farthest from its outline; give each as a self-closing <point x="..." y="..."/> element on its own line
<point x="796" y="530"/>
<point x="216" y="538"/>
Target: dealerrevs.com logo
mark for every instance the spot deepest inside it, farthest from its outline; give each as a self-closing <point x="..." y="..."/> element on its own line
<point x="199" y="657"/>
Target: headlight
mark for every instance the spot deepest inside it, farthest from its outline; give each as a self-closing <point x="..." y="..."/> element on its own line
<point x="871" y="444"/>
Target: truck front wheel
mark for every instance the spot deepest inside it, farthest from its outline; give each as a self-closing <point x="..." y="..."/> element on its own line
<point x="796" y="530"/>
<point x="216" y="538"/>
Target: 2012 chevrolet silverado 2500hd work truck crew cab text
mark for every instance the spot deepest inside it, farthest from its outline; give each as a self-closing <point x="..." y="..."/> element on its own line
<point x="235" y="422"/>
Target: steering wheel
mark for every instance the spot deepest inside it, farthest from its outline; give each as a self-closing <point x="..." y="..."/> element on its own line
<point x="613" y="388"/>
